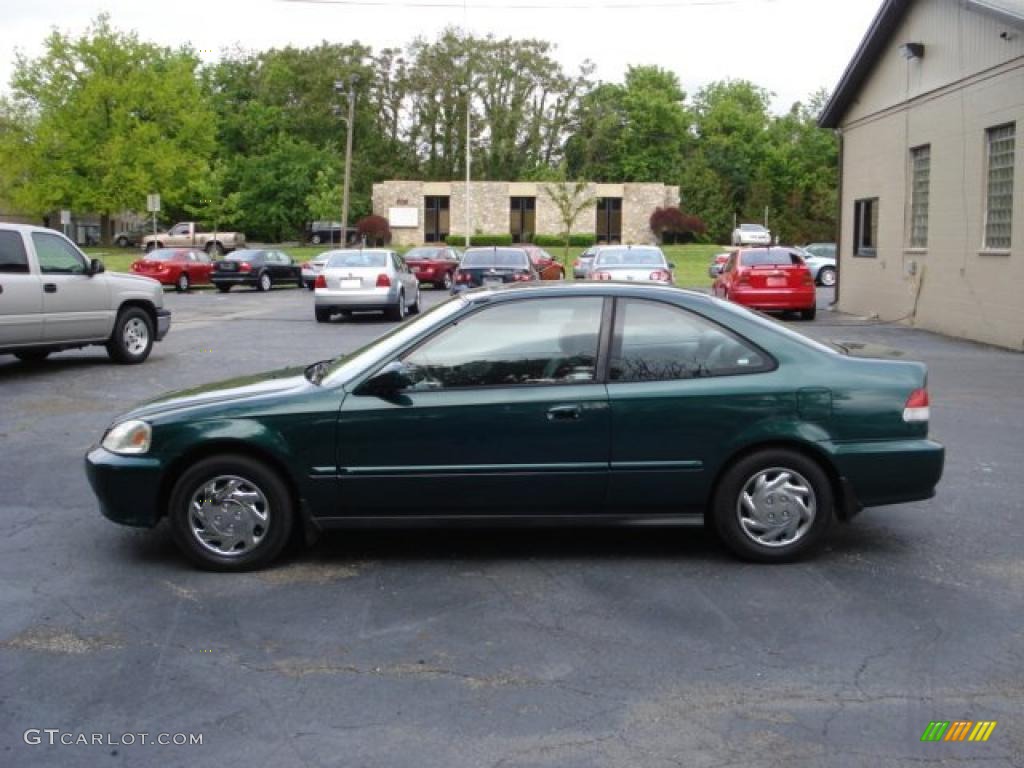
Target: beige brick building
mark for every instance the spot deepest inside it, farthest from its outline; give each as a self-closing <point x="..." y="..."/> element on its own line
<point x="428" y="211"/>
<point x="930" y="112"/>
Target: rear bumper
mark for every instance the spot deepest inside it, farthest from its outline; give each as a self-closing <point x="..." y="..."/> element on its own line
<point x="127" y="487"/>
<point x="772" y="299"/>
<point x="163" y="323"/>
<point x="367" y="298"/>
<point x="888" y="471"/>
<point x="240" y="279"/>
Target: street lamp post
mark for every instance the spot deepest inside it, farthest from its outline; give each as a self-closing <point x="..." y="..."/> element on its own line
<point x="339" y="87"/>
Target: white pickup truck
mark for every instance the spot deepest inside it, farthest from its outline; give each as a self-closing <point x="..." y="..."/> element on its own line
<point x="52" y="297"/>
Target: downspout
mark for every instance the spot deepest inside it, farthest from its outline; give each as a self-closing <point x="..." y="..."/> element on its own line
<point x="839" y="222"/>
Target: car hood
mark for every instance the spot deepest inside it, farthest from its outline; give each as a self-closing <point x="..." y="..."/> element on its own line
<point x="218" y="392"/>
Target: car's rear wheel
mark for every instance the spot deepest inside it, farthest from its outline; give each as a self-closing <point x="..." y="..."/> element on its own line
<point x="132" y="339"/>
<point x="808" y="314"/>
<point x="414" y="308"/>
<point x="151" y="246"/>
<point x="214" y="249"/>
<point x="32" y="355"/>
<point x="323" y="314"/>
<point x="230" y="513"/>
<point x="773" y="506"/>
<point x="400" y="310"/>
<point x="223" y="288"/>
<point x="181" y="284"/>
<point x="827" y="276"/>
<point x="265" y="283"/>
<point x="122" y="242"/>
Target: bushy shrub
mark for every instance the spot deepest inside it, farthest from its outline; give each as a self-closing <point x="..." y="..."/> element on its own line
<point x="557" y="241"/>
<point x="460" y="240"/>
<point x="374" y="229"/>
<point x="672" y="225"/>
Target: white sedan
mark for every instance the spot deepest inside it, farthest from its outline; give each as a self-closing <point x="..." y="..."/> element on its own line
<point x="751" y="234"/>
<point x="366" y="280"/>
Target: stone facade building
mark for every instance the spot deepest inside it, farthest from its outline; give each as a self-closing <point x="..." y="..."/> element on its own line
<point x="427" y="211"/>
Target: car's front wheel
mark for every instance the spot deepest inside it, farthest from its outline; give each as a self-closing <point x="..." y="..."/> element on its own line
<point x="230" y="513"/>
<point x="215" y="250"/>
<point x="265" y="283"/>
<point x="773" y="506"/>
<point x="132" y="339"/>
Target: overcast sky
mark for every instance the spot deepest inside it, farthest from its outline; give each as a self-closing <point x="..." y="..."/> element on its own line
<point x="790" y="47"/>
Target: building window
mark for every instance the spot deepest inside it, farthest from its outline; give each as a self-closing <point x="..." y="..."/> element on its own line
<point x="920" y="170"/>
<point x="609" y="219"/>
<point x="436" y="219"/>
<point x="999" y="193"/>
<point x="522" y="218"/>
<point x="865" y="227"/>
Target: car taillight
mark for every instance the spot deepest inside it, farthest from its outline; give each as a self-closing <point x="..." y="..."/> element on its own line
<point x="743" y="278"/>
<point x="805" y="277"/>
<point x="660" y="275"/>
<point x="917" y="408"/>
<point x="320" y="282"/>
<point x="463" y="277"/>
<point x="245" y="266"/>
<point x="383" y="281"/>
<point x="602" y="276"/>
<point x="522" y="277"/>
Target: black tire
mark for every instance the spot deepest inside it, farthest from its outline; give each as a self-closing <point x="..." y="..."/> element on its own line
<point x="32" y="355"/>
<point x="399" y="311"/>
<point x="323" y="314"/>
<point x="315" y="239"/>
<point x="132" y="338"/>
<point x="181" y="285"/>
<point x="151" y="246"/>
<point x="214" y="249"/>
<point x="808" y="314"/>
<point x="827" y="276"/>
<point x="278" y="507"/>
<point x="311" y="286"/>
<point x="414" y="309"/>
<point x="122" y="242"/>
<point x="725" y="511"/>
<point x="264" y="282"/>
<point x="446" y="281"/>
<point x="223" y="288"/>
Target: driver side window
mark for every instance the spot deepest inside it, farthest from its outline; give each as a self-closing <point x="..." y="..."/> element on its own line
<point x="534" y="341"/>
<point x="57" y="256"/>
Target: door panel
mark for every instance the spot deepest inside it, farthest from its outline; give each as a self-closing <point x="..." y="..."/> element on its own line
<point x="76" y="306"/>
<point x="494" y="451"/>
<point x="21" y="293"/>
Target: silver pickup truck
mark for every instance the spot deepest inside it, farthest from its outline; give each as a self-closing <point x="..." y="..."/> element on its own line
<point x="52" y="297"/>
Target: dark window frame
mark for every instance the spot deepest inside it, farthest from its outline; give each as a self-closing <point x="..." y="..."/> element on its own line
<point x="865" y="211"/>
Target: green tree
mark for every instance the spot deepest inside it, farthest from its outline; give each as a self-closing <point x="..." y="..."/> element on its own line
<point x="98" y="121"/>
<point x="213" y="204"/>
<point x="571" y="198"/>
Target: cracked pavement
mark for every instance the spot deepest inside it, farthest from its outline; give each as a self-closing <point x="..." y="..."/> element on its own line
<point x="494" y="648"/>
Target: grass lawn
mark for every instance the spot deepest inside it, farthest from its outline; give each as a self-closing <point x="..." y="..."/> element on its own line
<point x="691" y="260"/>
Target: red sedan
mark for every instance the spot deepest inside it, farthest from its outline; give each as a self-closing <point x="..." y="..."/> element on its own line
<point x="433" y="264"/>
<point x="180" y="267"/>
<point x="545" y="263"/>
<point x="772" y="279"/>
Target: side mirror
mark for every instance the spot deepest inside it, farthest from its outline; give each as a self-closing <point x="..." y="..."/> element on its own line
<point x="389" y="380"/>
<point x="96" y="267"/>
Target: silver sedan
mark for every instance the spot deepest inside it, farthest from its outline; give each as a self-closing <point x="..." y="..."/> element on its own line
<point x="360" y="280"/>
<point x="637" y="263"/>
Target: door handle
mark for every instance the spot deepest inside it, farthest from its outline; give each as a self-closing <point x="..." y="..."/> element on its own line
<point x="565" y="413"/>
<point x="50" y="287"/>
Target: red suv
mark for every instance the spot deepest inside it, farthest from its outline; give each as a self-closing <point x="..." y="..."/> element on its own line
<point x="772" y="279"/>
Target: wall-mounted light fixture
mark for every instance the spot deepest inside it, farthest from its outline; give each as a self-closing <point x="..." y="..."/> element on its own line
<point x="912" y="50"/>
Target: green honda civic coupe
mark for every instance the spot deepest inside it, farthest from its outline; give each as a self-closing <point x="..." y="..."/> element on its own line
<point x="591" y="403"/>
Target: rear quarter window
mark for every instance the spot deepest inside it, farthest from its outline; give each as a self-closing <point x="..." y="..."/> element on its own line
<point x="13" y="258"/>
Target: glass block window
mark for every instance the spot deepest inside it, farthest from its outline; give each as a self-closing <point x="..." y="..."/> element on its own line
<point x="999" y="191"/>
<point x="920" y="168"/>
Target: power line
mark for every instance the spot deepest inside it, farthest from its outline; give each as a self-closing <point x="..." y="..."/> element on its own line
<point x="532" y="6"/>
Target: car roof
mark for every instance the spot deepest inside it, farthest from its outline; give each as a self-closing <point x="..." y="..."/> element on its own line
<point x="28" y="228"/>
<point x="622" y="288"/>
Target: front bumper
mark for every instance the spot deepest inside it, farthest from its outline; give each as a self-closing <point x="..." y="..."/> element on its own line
<point x="127" y="487"/>
<point x="163" y="323"/>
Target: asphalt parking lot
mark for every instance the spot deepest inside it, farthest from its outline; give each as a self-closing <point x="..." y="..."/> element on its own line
<point x="486" y="648"/>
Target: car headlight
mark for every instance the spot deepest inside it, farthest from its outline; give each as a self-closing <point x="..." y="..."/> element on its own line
<point x="129" y="437"/>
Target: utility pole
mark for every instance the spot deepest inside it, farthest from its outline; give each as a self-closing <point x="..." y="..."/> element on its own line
<point x="339" y="87"/>
<point x="469" y="110"/>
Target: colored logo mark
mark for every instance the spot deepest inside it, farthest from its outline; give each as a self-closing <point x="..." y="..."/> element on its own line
<point x="959" y="730"/>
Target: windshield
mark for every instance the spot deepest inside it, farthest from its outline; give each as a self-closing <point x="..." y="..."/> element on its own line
<point x="243" y="255"/>
<point x="419" y="254"/>
<point x="627" y="257"/>
<point x="357" y="259"/>
<point x="344" y="367"/>
<point x="752" y="228"/>
<point x="162" y="254"/>
<point x="495" y="257"/>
